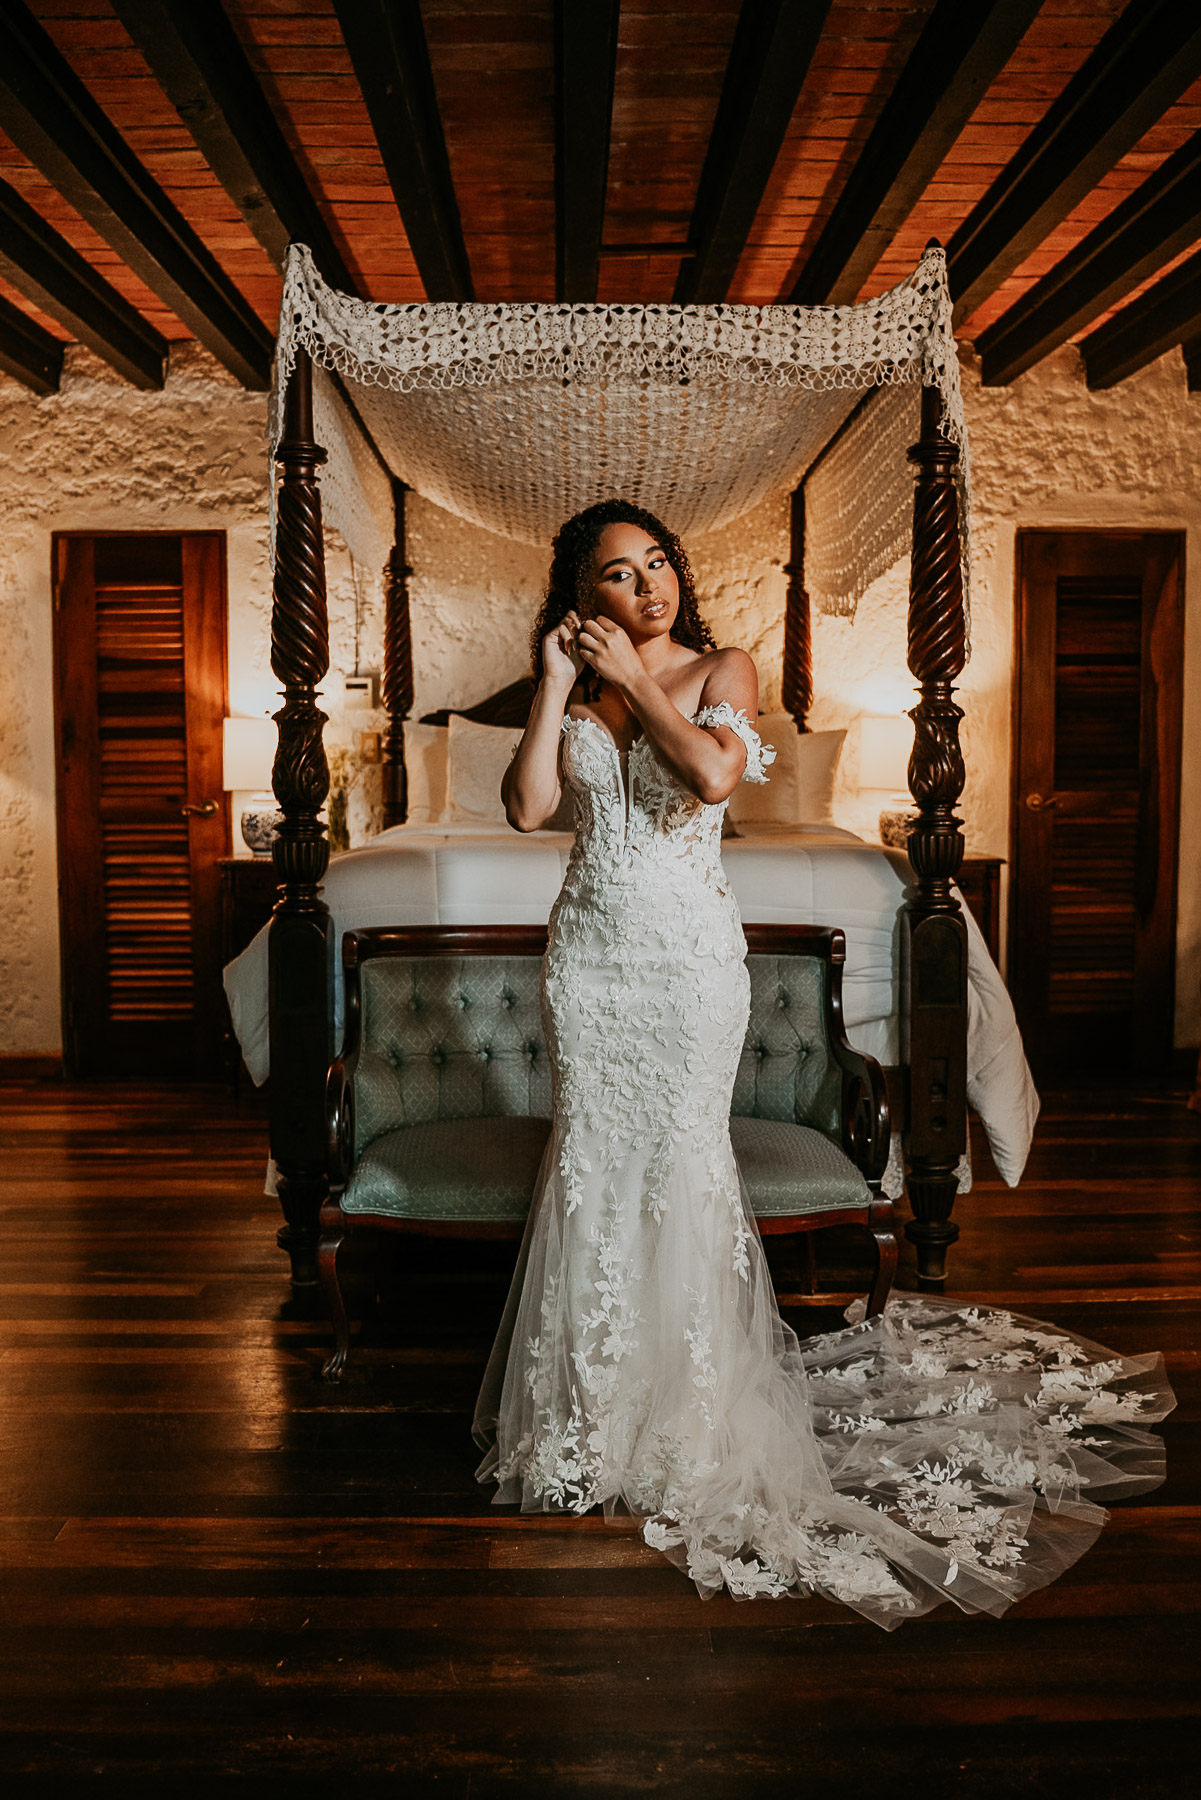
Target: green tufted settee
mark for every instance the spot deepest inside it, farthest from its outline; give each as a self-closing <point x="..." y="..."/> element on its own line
<point x="439" y="1108"/>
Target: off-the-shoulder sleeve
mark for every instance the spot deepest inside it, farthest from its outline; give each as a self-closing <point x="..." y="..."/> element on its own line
<point x="758" y="754"/>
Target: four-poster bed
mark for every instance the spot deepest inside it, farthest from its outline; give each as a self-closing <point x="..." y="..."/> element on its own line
<point x="931" y="1081"/>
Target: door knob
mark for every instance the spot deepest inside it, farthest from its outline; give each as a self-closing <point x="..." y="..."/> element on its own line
<point x="1041" y="802"/>
<point x="205" y="811"/>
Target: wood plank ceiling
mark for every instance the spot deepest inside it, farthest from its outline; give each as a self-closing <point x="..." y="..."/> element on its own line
<point x="157" y="155"/>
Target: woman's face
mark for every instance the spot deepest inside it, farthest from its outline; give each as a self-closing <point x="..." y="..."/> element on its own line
<point x="633" y="584"/>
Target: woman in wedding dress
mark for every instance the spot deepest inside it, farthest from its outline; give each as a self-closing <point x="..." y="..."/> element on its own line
<point x="941" y="1451"/>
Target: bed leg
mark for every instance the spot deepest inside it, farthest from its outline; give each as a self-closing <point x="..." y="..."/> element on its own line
<point x="933" y="934"/>
<point x="300" y="943"/>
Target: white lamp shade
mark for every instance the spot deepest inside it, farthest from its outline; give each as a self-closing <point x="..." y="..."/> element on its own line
<point x="884" y="750"/>
<point x="248" y="747"/>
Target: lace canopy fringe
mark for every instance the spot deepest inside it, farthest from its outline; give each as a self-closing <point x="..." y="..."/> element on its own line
<point x="514" y="417"/>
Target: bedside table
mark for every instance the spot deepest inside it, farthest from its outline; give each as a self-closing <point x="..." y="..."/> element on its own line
<point x="249" y="886"/>
<point x="248" y="891"/>
<point x="980" y="884"/>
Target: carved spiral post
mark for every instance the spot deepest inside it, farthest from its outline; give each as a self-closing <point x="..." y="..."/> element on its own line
<point x="398" y="668"/>
<point x="798" y="654"/>
<point x="933" y="935"/>
<point x="300" y="942"/>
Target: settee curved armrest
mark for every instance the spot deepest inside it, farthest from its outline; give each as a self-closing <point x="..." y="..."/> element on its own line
<point x="339" y="1125"/>
<point x="866" y="1120"/>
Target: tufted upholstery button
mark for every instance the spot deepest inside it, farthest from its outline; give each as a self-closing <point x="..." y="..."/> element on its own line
<point x="531" y="1051"/>
<point x="438" y="1055"/>
<point x="760" y="1051"/>
<point x="784" y="1001"/>
<point x="464" y="1002"/>
<point x="485" y="1053"/>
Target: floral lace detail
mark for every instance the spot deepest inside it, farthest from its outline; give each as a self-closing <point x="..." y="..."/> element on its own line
<point x="759" y="755"/>
<point x="643" y="1363"/>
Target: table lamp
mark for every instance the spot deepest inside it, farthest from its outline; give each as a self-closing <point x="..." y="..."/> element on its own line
<point x="884" y="749"/>
<point x="248" y="752"/>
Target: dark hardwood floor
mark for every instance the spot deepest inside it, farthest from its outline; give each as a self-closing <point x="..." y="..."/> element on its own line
<point x="220" y="1576"/>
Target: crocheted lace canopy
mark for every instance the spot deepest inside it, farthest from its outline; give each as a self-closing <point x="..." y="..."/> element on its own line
<point x="515" y="417"/>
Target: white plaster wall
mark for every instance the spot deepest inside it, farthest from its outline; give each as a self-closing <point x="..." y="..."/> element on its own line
<point x="101" y="456"/>
<point x="98" y="456"/>
<point x="1047" y="454"/>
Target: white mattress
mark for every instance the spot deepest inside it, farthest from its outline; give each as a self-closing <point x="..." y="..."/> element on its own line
<point x="810" y="874"/>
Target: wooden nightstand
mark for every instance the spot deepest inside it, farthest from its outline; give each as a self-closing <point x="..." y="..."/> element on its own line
<point x="248" y="890"/>
<point x="980" y="884"/>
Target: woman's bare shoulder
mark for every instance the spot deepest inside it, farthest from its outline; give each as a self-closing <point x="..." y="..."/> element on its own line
<point x="728" y="659"/>
<point x="730" y="674"/>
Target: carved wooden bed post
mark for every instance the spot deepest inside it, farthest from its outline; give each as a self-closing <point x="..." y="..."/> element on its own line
<point x="798" y="655"/>
<point x="933" y="935"/>
<point x="300" y="942"/>
<point x="398" y="668"/>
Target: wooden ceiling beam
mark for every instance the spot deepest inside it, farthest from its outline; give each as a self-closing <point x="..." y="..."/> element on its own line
<point x="54" y="121"/>
<point x="198" y="60"/>
<point x="43" y="266"/>
<point x="585" y="72"/>
<point x="1153" y="225"/>
<point x="28" y="352"/>
<point x="1142" y="65"/>
<point x="770" y="57"/>
<point x="387" y="45"/>
<point x="959" y="54"/>
<point x="1166" y="315"/>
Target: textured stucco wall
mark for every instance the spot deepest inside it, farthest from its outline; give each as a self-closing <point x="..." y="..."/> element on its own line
<point x="1046" y="454"/>
<point x="101" y="456"/>
<point x="98" y="456"/>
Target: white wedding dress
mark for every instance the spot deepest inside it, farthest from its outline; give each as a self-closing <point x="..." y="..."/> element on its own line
<point x="942" y="1451"/>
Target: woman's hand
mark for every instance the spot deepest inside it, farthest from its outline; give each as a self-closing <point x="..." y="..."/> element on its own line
<point x="606" y="648"/>
<point x="560" y="657"/>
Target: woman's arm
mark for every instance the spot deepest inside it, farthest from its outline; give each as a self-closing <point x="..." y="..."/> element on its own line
<point x="531" y="789"/>
<point x="709" y="761"/>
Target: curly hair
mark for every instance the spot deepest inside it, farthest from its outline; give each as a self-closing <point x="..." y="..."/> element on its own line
<point x="570" y="575"/>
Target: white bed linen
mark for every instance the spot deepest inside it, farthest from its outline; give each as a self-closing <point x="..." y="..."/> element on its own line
<point x="807" y="874"/>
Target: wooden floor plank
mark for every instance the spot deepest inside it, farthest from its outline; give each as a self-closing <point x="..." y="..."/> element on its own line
<point x="215" y="1570"/>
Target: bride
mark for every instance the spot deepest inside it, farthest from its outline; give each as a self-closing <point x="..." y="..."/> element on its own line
<point x="941" y="1451"/>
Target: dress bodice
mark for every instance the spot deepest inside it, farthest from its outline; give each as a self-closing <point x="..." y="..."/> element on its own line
<point x="635" y="822"/>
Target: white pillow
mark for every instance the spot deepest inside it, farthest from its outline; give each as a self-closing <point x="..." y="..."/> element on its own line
<point x="425" y="764"/>
<point x="478" y="758"/>
<point x="800" y="783"/>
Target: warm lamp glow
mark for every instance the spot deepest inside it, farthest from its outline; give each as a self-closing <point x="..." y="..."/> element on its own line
<point x="884" y="750"/>
<point x="248" y="747"/>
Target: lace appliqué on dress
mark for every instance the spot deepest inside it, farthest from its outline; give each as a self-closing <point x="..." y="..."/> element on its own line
<point x="940" y="1451"/>
<point x="758" y="754"/>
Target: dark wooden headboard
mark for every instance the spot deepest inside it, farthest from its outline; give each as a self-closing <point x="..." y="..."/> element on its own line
<point x="508" y="706"/>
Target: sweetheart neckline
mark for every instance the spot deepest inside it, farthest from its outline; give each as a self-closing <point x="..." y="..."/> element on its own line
<point x="612" y="741"/>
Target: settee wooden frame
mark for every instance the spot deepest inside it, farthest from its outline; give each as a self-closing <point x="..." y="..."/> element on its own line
<point x="864" y="1109"/>
<point x="931" y="1083"/>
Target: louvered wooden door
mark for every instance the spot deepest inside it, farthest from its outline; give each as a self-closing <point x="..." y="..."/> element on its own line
<point x="1096" y="797"/>
<point x="142" y="818"/>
